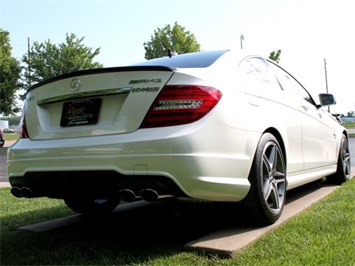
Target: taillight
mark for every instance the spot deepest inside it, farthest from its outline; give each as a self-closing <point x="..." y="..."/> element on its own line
<point x="181" y="104"/>
<point x="22" y="127"/>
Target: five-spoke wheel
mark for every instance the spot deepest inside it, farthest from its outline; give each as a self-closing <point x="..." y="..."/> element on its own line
<point x="343" y="168"/>
<point x="267" y="177"/>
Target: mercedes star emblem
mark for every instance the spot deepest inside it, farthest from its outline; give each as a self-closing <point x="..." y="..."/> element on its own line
<point x="75" y="85"/>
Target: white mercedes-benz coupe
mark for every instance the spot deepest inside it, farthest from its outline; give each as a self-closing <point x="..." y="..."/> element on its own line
<point x="214" y="126"/>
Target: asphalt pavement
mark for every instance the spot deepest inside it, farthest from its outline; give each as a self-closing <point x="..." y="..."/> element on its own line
<point x="4" y="182"/>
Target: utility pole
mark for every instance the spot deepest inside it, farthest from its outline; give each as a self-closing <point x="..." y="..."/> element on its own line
<point x="29" y="64"/>
<point x="326" y="79"/>
<point x="241" y="41"/>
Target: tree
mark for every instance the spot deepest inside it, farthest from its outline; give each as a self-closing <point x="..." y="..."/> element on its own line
<point x="46" y="60"/>
<point x="10" y="70"/>
<point x="275" y="56"/>
<point x="13" y="120"/>
<point x="174" y="39"/>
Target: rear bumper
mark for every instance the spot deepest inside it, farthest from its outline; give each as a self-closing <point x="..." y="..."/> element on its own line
<point x="193" y="161"/>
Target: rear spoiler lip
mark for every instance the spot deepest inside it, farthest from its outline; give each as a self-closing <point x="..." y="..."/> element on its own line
<point x="101" y="71"/>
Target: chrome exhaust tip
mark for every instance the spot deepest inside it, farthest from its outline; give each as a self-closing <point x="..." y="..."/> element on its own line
<point x="149" y="194"/>
<point x="26" y="192"/>
<point x="127" y="195"/>
<point x="16" y="191"/>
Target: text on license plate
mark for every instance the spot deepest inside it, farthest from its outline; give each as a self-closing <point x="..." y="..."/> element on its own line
<point x="81" y="112"/>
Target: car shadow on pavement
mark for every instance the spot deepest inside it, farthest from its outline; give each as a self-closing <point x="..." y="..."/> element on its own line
<point x="141" y="230"/>
<point x="143" y="225"/>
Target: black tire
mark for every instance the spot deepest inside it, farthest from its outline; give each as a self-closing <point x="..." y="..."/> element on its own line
<point x="267" y="195"/>
<point x="91" y="207"/>
<point x="343" y="166"/>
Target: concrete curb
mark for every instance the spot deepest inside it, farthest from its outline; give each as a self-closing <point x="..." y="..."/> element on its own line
<point x="227" y="242"/>
<point x="4" y="184"/>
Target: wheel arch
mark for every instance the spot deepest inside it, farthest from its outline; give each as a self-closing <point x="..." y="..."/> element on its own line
<point x="266" y="197"/>
<point x="279" y="138"/>
<point x="345" y="133"/>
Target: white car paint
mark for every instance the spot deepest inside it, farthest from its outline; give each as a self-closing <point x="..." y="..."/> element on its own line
<point x="209" y="159"/>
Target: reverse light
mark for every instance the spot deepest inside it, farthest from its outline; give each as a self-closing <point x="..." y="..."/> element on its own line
<point x="174" y="105"/>
<point x="181" y="104"/>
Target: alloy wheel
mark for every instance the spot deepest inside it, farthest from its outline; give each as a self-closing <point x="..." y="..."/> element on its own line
<point x="273" y="177"/>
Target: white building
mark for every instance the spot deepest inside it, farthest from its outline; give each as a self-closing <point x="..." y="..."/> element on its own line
<point x="4" y="124"/>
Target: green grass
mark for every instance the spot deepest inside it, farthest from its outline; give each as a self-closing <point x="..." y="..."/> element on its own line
<point x="11" y="136"/>
<point x="349" y="124"/>
<point x="324" y="234"/>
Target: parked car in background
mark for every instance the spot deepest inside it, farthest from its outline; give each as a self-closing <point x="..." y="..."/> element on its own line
<point x="2" y="138"/>
<point x="214" y="126"/>
<point x="9" y="130"/>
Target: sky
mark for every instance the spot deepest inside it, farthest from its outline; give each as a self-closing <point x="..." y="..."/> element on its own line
<point x="309" y="33"/>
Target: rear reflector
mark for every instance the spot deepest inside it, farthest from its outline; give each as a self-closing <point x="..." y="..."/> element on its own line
<point x="23" y="132"/>
<point x="181" y="104"/>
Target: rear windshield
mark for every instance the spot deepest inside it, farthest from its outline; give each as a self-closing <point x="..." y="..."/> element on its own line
<point x="190" y="60"/>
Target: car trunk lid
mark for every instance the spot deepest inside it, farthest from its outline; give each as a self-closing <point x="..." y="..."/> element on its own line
<point x="93" y="102"/>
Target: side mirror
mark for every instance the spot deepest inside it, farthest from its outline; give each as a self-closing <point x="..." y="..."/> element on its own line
<point x="327" y="99"/>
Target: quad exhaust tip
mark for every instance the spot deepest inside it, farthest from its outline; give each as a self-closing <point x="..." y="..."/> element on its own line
<point x="26" y="192"/>
<point x="149" y="195"/>
<point x="22" y="192"/>
<point x="127" y="195"/>
<point x="16" y="191"/>
<point x="146" y="194"/>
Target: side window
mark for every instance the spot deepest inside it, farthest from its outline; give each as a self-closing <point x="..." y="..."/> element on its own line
<point x="257" y="76"/>
<point x="288" y="83"/>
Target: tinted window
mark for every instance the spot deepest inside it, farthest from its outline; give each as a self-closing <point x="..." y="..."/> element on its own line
<point x="257" y="75"/>
<point x="190" y="60"/>
<point x="290" y="84"/>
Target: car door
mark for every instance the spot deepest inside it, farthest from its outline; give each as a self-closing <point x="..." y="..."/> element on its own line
<point x="273" y="108"/>
<point x="318" y="136"/>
